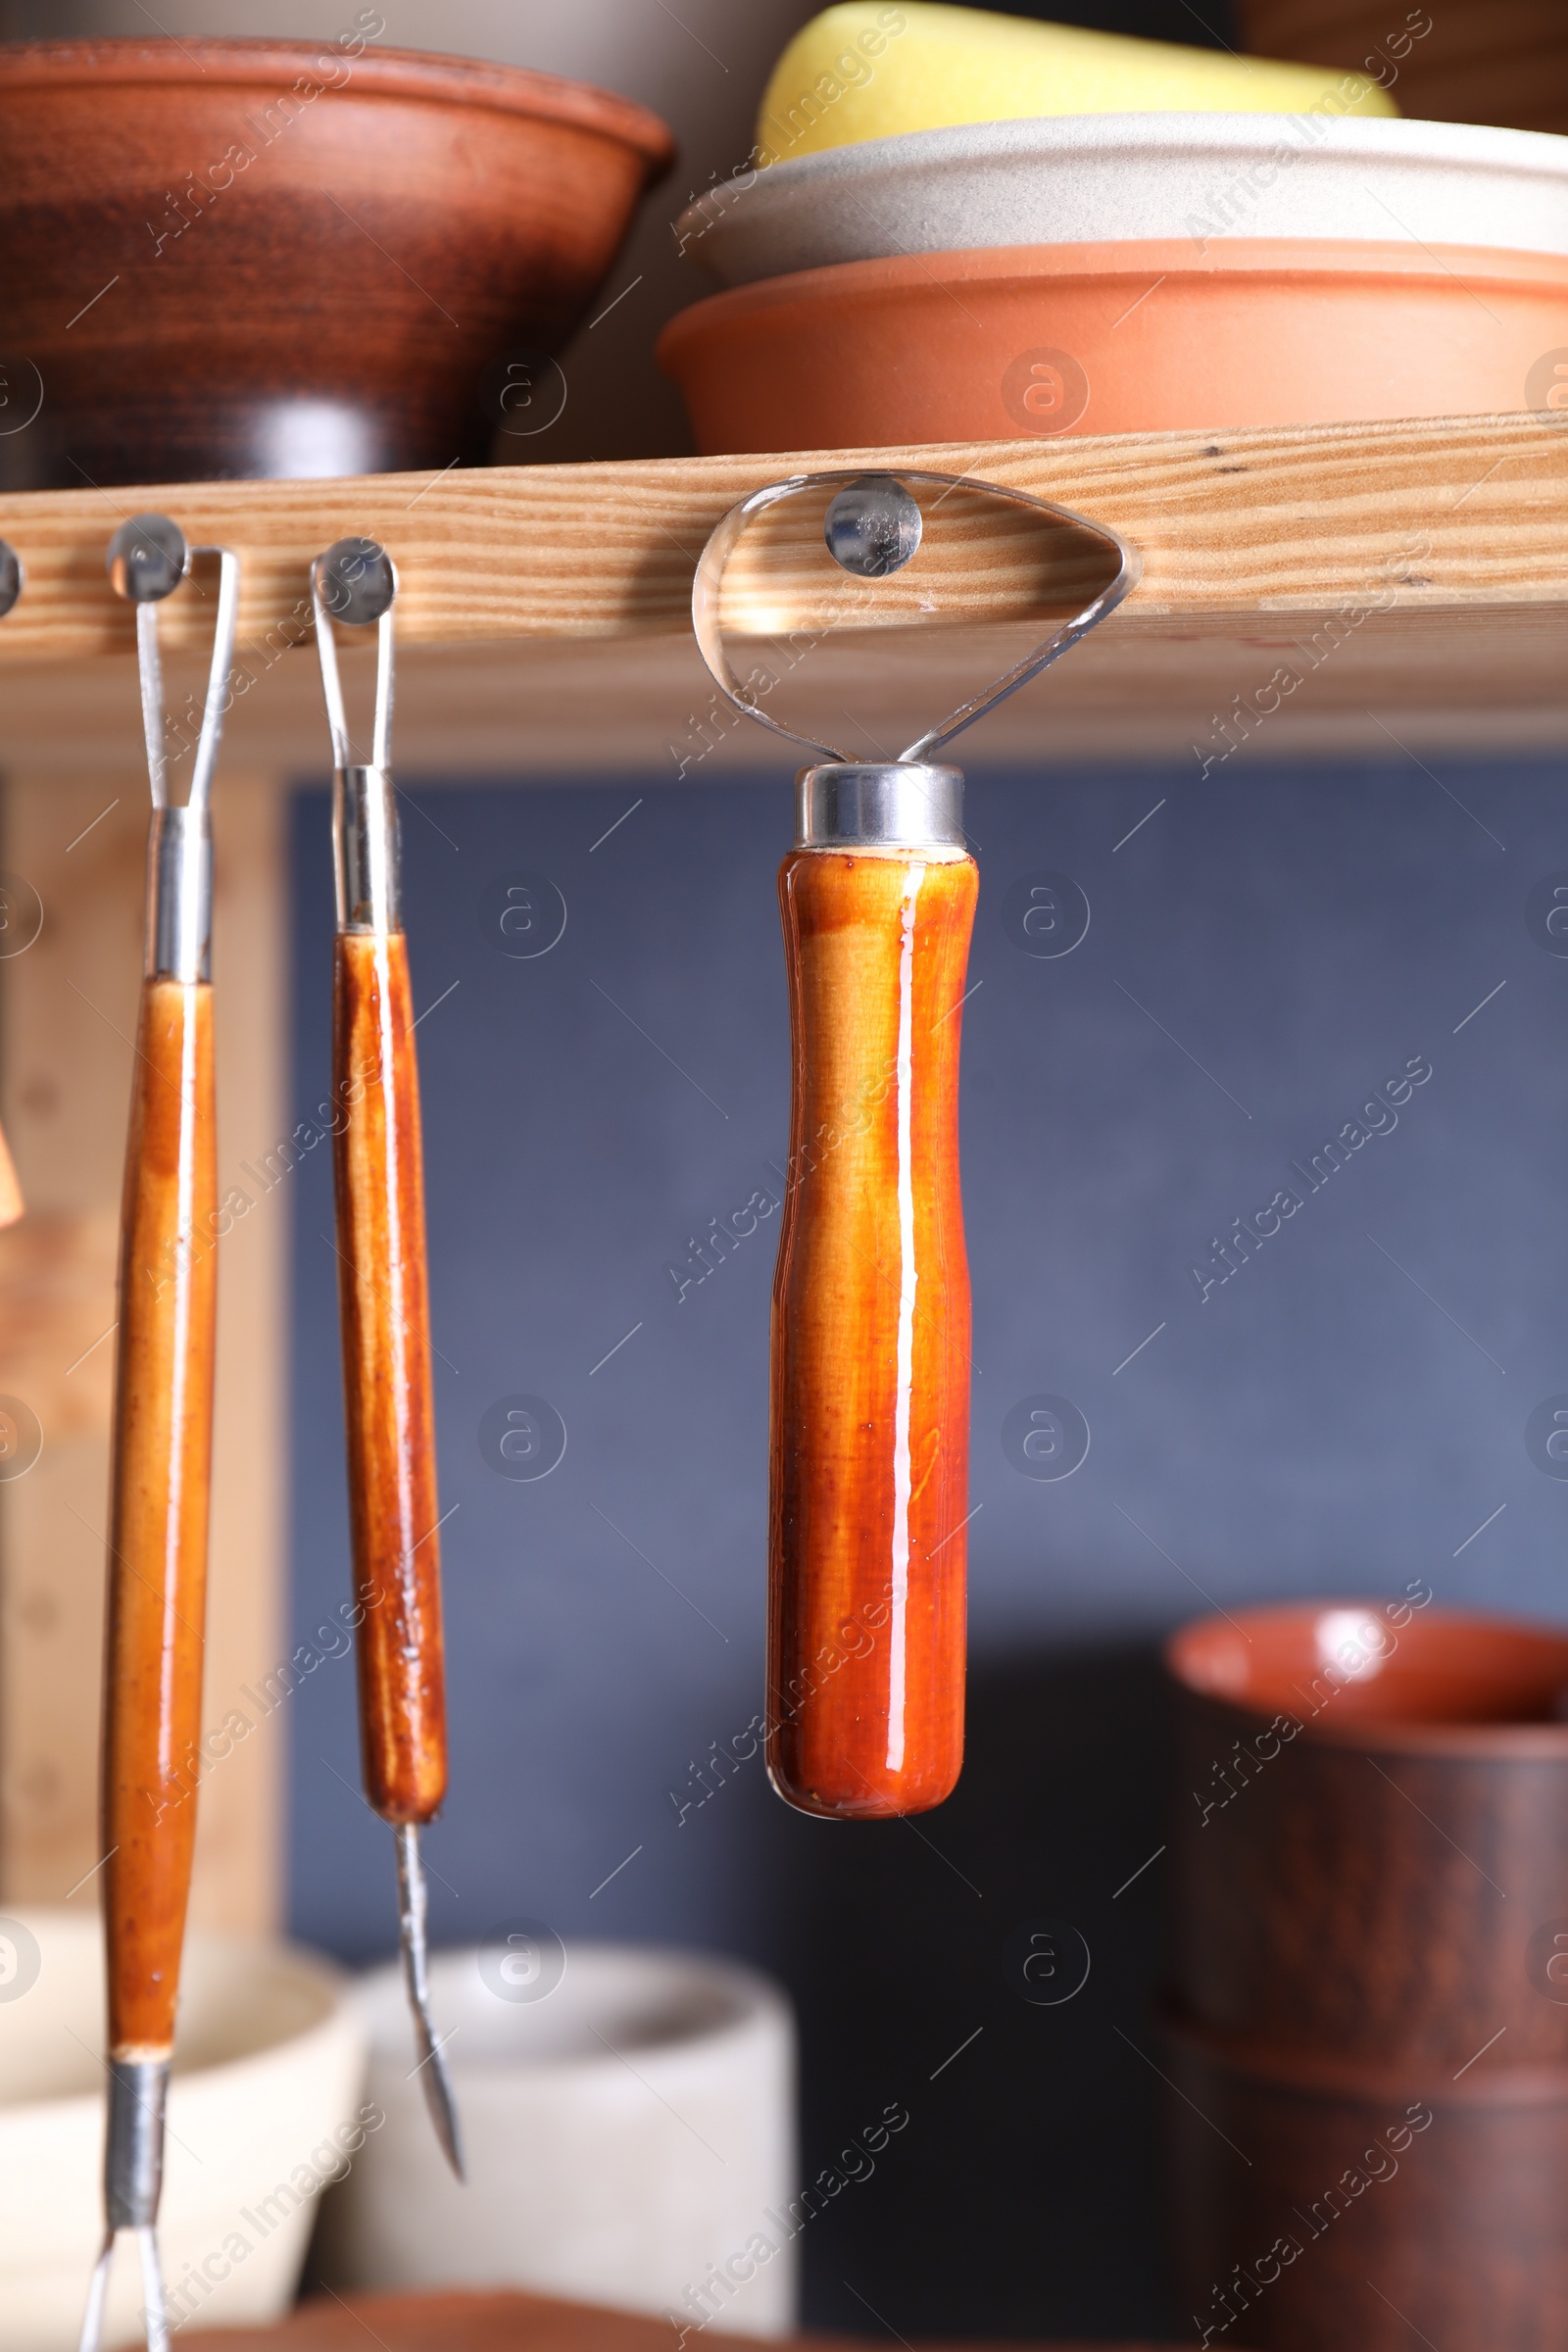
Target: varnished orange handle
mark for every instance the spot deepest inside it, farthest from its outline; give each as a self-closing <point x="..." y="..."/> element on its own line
<point x="384" y="1301"/>
<point x="157" y="1532"/>
<point x="870" y="1339"/>
<point x="12" y="1203"/>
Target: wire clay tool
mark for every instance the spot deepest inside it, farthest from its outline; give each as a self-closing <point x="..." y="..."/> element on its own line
<point x="13" y="578"/>
<point x="383" y="1291"/>
<point x="162" y="1434"/>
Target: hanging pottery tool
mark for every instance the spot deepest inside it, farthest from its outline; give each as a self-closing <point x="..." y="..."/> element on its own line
<point x="382" y="1290"/>
<point x="162" y="1431"/>
<point x="868" y="1502"/>
<point x="11" y="578"/>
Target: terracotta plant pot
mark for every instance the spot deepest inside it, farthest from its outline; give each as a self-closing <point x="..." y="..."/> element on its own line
<point x="1370" y="1855"/>
<point x="260" y="257"/>
<point x="1142" y="336"/>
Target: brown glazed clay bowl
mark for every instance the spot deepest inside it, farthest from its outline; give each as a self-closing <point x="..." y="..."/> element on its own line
<point x="240" y="258"/>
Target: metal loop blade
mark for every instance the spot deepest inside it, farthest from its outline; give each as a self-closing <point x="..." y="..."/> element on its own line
<point x="708" y="580"/>
<point x="343" y="749"/>
<point x="163" y="539"/>
<point x="218" y="674"/>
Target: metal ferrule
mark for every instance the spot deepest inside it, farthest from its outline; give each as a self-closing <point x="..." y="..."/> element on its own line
<point x="179" y="894"/>
<point x="900" y="804"/>
<point x="365" y="850"/>
<point x="133" y="2159"/>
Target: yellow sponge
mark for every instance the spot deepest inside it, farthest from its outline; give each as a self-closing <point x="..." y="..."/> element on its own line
<point x="864" y="70"/>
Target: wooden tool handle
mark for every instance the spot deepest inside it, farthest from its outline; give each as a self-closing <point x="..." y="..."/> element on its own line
<point x="870" y="1339"/>
<point x="12" y="1205"/>
<point x="384" y="1299"/>
<point x="157" y="1532"/>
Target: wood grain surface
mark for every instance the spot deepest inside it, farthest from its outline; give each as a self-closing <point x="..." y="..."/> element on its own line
<point x="870" y="1339"/>
<point x="388" y="1408"/>
<point x="1417" y="569"/>
<point x="69" y="1012"/>
<point x="1231" y="522"/>
<point x="158" y="1529"/>
<point x="505" y="2323"/>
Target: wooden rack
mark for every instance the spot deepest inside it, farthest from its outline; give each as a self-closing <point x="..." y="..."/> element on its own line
<point x="1411" y="578"/>
<point x="1416" y="569"/>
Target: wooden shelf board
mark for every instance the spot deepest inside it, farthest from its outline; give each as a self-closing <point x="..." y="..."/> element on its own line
<point x="1417" y="571"/>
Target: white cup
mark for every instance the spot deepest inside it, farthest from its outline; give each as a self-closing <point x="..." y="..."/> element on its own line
<point x="627" y="2117"/>
<point x="266" y="2105"/>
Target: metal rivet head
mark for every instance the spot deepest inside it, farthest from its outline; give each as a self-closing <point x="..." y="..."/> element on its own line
<point x="147" y="558"/>
<point x="872" y="527"/>
<point x="357" y="581"/>
<point x="12" y="576"/>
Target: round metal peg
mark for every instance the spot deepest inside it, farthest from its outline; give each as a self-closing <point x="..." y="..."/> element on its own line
<point x="357" y="581"/>
<point x="872" y="527"/>
<point x="147" y="558"/>
<point x="12" y="576"/>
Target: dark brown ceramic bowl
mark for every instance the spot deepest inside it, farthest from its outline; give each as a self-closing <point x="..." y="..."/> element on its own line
<point x="237" y="258"/>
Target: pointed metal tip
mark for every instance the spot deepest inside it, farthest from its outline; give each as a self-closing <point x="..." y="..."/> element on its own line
<point x="93" y="2322"/>
<point x="433" y="2066"/>
<point x="155" y="2303"/>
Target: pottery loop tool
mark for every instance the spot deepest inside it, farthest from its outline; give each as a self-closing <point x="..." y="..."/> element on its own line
<point x="163" y="1436"/>
<point x="12" y="581"/>
<point x="383" y="1292"/>
<point x="868" y="1479"/>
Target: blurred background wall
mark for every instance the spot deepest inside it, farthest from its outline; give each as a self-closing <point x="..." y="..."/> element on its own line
<point x="1342" y="1414"/>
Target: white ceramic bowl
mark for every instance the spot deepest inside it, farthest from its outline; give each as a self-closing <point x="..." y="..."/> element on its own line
<point x="265" y="2104"/>
<point x="627" y="2126"/>
<point x="1071" y="179"/>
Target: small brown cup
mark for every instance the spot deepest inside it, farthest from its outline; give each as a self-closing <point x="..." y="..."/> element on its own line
<point x="1316" y="2203"/>
<point x="1368" y="2031"/>
<point x="1371" y="1835"/>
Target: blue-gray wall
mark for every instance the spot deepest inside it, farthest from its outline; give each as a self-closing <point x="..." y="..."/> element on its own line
<point x="1339" y="1415"/>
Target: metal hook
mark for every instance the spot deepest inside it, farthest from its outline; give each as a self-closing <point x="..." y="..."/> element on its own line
<point x="12" y="576"/>
<point x="355" y="582"/>
<point x="148" y="558"/>
<point x="871" y="544"/>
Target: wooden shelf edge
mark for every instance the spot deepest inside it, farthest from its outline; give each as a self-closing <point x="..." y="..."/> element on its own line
<point x="1464" y="514"/>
